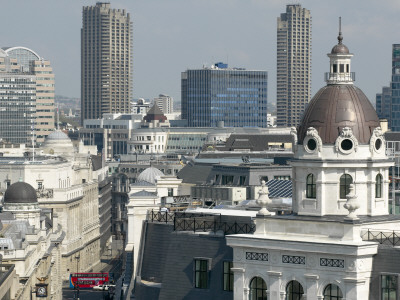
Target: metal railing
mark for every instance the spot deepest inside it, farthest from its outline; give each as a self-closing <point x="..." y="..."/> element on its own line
<point x="183" y="221"/>
<point x="390" y="238"/>
<point x="343" y="77"/>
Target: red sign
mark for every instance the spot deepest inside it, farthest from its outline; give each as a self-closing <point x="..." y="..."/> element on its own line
<point x="87" y="280"/>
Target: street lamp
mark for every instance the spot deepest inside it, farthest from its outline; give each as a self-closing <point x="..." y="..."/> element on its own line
<point x="77" y="257"/>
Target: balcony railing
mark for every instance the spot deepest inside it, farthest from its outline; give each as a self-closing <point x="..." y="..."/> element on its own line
<point x="340" y="77"/>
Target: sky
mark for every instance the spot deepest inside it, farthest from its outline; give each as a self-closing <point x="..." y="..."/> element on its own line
<point x="170" y="36"/>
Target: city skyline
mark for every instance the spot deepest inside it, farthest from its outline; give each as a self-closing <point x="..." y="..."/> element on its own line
<point x="239" y="33"/>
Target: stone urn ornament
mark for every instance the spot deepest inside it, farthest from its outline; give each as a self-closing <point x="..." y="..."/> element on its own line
<point x="351" y="204"/>
<point x="263" y="200"/>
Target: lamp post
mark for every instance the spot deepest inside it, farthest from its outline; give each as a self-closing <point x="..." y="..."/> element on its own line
<point x="77" y="257"/>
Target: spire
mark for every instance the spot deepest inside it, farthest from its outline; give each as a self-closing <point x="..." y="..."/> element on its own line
<point x="340" y="37"/>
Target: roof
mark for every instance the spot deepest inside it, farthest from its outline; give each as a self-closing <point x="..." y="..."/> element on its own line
<point x="195" y="173"/>
<point x="150" y="175"/>
<point x="279" y="188"/>
<point x="254" y="142"/>
<point x="57" y="135"/>
<point x="337" y="106"/>
<point x="142" y="183"/>
<point x="155" y="113"/>
<point x="96" y="162"/>
<point x="20" y="192"/>
<point x="144" y="194"/>
<point x="392" y="136"/>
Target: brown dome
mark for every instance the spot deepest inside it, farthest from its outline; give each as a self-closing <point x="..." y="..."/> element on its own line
<point x="340" y="49"/>
<point x="335" y="107"/>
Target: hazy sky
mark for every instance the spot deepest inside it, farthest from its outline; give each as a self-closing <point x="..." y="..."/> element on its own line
<point x="170" y="36"/>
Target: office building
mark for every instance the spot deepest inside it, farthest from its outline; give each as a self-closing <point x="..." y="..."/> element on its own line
<point x="30" y="62"/>
<point x="106" y="61"/>
<point x="395" y="86"/>
<point x="293" y="64"/>
<point x="165" y="103"/>
<point x="236" y="96"/>
<point x="17" y="101"/>
<point x="383" y="103"/>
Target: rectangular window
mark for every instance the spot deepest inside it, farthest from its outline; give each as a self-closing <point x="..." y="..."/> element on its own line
<point x="228" y="276"/>
<point x="389" y="287"/>
<point x="242" y="180"/>
<point x="201" y="273"/>
<point x="341" y="68"/>
<point x="227" y="179"/>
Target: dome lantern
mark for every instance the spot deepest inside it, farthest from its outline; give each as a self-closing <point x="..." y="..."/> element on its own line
<point x="340" y="63"/>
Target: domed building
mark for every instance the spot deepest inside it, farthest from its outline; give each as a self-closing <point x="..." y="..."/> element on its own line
<point x="329" y="247"/>
<point x="58" y="143"/>
<point x="150" y="175"/>
<point x="340" y="143"/>
<point x="21" y="200"/>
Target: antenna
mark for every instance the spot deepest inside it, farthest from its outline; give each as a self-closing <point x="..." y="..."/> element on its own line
<point x="340" y="37"/>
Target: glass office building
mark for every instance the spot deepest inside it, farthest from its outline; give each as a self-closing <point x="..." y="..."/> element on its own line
<point x="236" y="96"/>
<point x="383" y="103"/>
<point x="395" y="85"/>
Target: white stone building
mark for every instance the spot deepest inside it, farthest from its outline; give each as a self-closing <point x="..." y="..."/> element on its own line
<point x="340" y="170"/>
<point x="66" y="185"/>
<point x="31" y="241"/>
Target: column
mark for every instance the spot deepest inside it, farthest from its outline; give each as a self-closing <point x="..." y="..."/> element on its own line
<point x="240" y="292"/>
<point x="311" y="289"/>
<point x="274" y="286"/>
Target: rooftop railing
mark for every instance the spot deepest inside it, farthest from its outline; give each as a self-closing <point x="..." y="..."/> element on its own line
<point x="200" y="222"/>
<point x="389" y="238"/>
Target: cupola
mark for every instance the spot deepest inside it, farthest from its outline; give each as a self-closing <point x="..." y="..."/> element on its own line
<point x="340" y="63"/>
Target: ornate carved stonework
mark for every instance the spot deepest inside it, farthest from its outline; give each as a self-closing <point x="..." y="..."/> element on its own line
<point x="377" y="141"/>
<point x="346" y="138"/>
<point x="312" y="134"/>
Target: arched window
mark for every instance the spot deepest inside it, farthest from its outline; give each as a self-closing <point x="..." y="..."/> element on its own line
<point x="345" y="181"/>
<point x="258" y="289"/>
<point x="332" y="292"/>
<point x="294" y="290"/>
<point x="311" y="191"/>
<point x="378" y="186"/>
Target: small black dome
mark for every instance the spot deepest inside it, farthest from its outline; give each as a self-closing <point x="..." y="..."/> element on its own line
<point x="20" y="192"/>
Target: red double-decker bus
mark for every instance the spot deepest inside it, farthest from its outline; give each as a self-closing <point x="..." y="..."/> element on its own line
<point x="87" y="280"/>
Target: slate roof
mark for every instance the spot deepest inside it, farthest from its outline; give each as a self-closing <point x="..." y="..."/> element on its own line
<point x="195" y="173"/>
<point x="392" y="135"/>
<point x="254" y="142"/>
<point x="96" y="162"/>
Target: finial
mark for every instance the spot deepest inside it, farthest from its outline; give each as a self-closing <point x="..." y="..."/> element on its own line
<point x="263" y="200"/>
<point x="351" y="204"/>
<point x="340" y="37"/>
